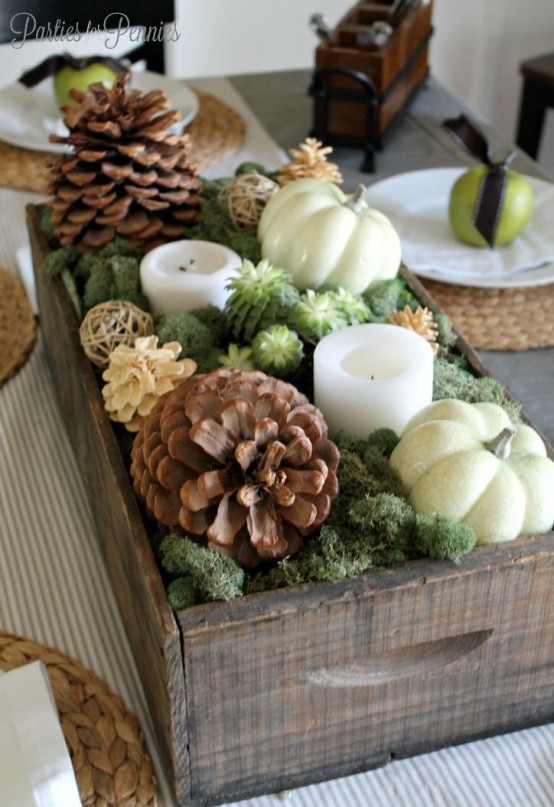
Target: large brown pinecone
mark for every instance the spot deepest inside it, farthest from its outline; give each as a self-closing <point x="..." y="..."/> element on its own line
<point x="239" y="458"/>
<point x="125" y="174"/>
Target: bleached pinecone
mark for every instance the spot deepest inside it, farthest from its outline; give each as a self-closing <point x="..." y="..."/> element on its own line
<point x="137" y="376"/>
<point x="420" y="321"/>
<point x="239" y="459"/>
<point x="309" y="161"/>
<point x="125" y="174"/>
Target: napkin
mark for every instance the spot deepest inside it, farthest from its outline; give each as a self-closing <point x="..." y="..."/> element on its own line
<point x="430" y="247"/>
<point x="35" y="768"/>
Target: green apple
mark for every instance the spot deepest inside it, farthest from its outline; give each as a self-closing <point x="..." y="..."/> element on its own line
<point x="516" y="207"/>
<point x="69" y="77"/>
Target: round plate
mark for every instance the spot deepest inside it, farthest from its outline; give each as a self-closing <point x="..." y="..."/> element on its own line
<point x="29" y="116"/>
<point x="417" y="205"/>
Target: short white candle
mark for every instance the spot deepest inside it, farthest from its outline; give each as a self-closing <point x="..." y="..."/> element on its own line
<point x="183" y="275"/>
<point x="372" y="376"/>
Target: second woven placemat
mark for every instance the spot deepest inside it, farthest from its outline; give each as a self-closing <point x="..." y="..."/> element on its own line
<point x="216" y="132"/>
<point x="498" y="319"/>
<point x="17" y="326"/>
<point x="104" y="741"/>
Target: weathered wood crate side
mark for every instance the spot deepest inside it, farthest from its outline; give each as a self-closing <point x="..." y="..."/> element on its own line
<point x="315" y="681"/>
<point x="318" y="681"/>
<point x="149" y="621"/>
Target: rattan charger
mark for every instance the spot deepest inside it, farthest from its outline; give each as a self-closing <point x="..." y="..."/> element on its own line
<point x="17" y="326"/>
<point x="104" y="740"/>
<point x="498" y="319"/>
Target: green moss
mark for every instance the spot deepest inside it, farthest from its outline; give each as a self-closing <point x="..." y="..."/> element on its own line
<point x="386" y="297"/>
<point x="60" y="260"/>
<point x="182" y="593"/>
<point x="446" y="335"/>
<point x="442" y="538"/>
<point x="208" y="574"/>
<point x="452" y="380"/>
<point x="195" y="337"/>
<point x="214" y="224"/>
<point x="387" y="522"/>
<point x="214" y="318"/>
<point x="71" y="288"/>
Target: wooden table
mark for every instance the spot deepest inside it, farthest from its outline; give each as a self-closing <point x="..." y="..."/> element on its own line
<point x="282" y="103"/>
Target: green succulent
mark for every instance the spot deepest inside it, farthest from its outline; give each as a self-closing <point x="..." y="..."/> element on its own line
<point x="237" y="358"/>
<point x="262" y="295"/>
<point x="277" y="351"/>
<point x="353" y="307"/>
<point x="317" y="314"/>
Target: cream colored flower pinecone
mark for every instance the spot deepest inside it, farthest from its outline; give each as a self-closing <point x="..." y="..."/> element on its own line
<point x="420" y="321"/>
<point x="309" y="161"/>
<point x="138" y="376"/>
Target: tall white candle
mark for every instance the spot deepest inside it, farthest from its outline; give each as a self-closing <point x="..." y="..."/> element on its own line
<point x="372" y="376"/>
<point x="183" y="275"/>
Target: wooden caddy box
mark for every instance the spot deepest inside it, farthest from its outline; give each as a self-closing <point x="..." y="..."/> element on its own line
<point x="359" y="93"/>
<point x="284" y="688"/>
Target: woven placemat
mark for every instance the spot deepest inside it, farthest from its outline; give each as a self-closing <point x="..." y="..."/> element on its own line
<point x="104" y="741"/>
<point x="216" y="132"/>
<point x="498" y="319"/>
<point x="17" y="326"/>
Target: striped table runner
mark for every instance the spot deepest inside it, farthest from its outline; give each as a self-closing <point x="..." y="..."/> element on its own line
<point x="54" y="588"/>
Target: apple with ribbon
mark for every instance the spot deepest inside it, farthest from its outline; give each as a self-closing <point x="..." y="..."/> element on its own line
<point x="70" y="72"/>
<point x="489" y="205"/>
<point x="81" y="78"/>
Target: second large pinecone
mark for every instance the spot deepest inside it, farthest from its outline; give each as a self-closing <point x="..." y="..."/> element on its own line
<point x="239" y="459"/>
<point x="125" y="174"/>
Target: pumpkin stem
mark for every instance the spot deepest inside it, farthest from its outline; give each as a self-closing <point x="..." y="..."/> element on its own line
<point x="501" y="445"/>
<point x="355" y="202"/>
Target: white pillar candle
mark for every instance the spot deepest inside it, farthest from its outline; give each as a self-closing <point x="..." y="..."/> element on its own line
<point x="183" y="275"/>
<point x="373" y="376"/>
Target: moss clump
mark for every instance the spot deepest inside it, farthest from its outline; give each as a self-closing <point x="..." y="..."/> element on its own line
<point x="60" y="260"/>
<point x="386" y="297"/>
<point x="214" y="318"/>
<point x="195" y="337"/>
<point x="215" y="224"/>
<point x="112" y="277"/>
<point x="387" y="523"/>
<point x="201" y="574"/>
<point x="441" y="538"/>
<point x="112" y="273"/>
<point x="453" y="380"/>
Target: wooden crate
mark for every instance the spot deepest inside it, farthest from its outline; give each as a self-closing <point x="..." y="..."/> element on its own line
<point x="284" y="688"/>
<point x="359" y="93"/>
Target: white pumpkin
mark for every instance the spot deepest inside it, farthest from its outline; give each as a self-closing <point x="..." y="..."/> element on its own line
<point x="468" y="462"/>
<point x="320" y="235"/>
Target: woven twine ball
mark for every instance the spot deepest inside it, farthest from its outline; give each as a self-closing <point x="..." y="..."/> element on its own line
<point x="113" y="323"/>
<point x="246" y="198"/>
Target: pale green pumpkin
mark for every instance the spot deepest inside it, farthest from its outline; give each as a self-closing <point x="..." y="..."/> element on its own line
<point x="320" y="235"/>
<point x="468" y="462"/>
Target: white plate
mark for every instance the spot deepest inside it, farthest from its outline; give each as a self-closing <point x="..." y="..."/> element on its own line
<point x="417" y="205"/>
<point x="29" y="116"/>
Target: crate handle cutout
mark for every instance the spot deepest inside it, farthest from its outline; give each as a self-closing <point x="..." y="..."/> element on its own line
<point x="402" y="662"/>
